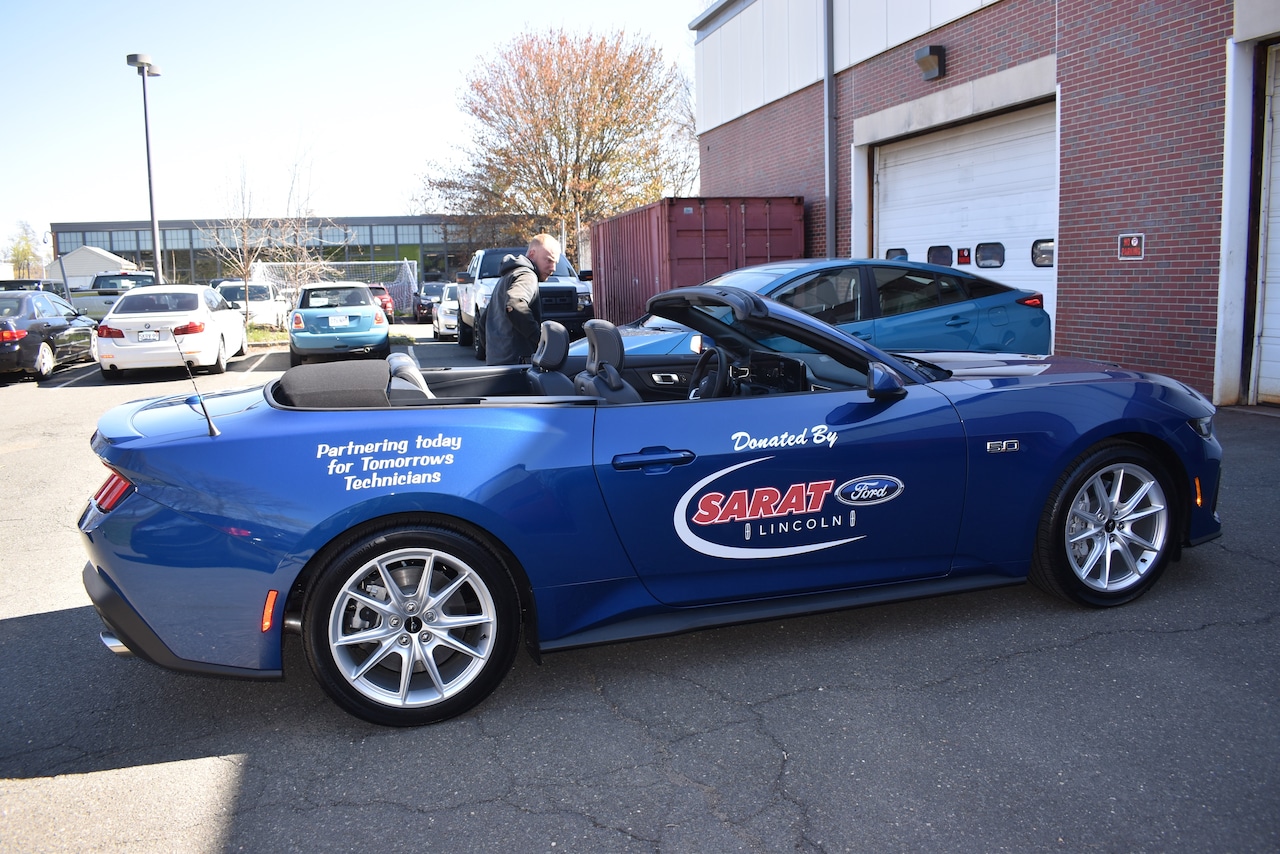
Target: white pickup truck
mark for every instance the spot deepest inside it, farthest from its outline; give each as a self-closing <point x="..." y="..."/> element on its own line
<point x="565" y="296"/>
<point x="105" y="288"/>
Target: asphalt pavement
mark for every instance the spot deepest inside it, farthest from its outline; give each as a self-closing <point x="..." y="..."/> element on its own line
<point x="1003" y="720"/>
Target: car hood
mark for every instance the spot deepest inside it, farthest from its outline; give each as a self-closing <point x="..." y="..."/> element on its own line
<point x="1003" y="370"/>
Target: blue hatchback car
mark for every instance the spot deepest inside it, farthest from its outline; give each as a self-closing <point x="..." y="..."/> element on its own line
<point x="893" y="305"/>
<point x="337" y="319"/>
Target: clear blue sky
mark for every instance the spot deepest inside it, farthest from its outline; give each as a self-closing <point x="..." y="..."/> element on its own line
<point x="359" y="96"/>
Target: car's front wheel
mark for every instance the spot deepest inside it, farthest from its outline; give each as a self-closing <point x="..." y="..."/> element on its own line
<point x="411" y="625"/>
<point x="1108" y="528"/>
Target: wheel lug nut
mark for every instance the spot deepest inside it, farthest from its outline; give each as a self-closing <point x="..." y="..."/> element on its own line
<point x="395" y="622"/>
<point x="411" y="608"/>
<point x="425" y="637"/>
<point x="404" y="640"/>
<point x="431" y="616"/>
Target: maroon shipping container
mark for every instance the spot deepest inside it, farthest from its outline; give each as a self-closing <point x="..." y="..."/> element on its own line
<point x="676" y="242"/>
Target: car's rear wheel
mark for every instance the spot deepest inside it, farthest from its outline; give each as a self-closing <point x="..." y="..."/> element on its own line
<point x="411" y="625"/>
<point x="44" y="361"/>
<point x="1108" y="528"/>
<point x="219" y="365"/>
<point x="464" y="333"/>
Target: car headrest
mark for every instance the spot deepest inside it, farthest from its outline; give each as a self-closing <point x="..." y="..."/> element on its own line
<point x="553" y="347"/>
<point x="604" y="345"/>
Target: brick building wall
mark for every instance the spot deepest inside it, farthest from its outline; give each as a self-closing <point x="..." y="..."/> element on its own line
<point x="1142" y="89"/>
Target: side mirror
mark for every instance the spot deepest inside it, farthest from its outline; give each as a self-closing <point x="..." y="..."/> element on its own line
<point x="463" y="278"/>
<point x="883" y="383"/>
<point x="584" y="276"/>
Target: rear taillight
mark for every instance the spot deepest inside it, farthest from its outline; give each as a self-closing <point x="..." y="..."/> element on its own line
<point x="107" y="332"/>
<point x="379" y="318"/>
<point x="111" y="493"/>
<point x="298" y="322"/>
<point x="1034" y="301"/>
<point x="8" y="336"/>
<point x="192" y="328"/>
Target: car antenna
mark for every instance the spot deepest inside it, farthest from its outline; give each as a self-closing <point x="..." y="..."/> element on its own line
<point x="213" y="431"/>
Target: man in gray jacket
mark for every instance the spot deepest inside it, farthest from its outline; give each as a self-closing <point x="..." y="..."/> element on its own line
<point x="513" y="320"/>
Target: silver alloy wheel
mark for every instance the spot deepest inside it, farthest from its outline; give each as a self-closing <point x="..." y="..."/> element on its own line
<point x="1117" y="527"/>
<point x="412" y="627"/>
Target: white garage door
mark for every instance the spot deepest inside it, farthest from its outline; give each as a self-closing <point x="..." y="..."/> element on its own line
<point x="988" y="187"/>
<point x="1266" y="356"/>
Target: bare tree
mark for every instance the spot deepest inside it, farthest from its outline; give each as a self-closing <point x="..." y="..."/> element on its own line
<point x="242" y="240"/>
<point x="567" y="129"/>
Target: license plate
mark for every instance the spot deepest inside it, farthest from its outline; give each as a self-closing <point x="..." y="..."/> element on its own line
<point x="148" y="336"/>
<point x="338" y="320"/>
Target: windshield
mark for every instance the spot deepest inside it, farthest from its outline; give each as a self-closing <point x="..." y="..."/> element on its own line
<point x="492" y="263"/>
<point x="334" y="297"/>
<point x="146" y="302"/>
<point x="235" y="293"/>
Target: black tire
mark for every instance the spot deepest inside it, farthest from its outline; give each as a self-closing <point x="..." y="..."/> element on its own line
<point x="357" y="635"/>
<point x="112" y="375"/>
<point x="294" y="359"/>
<point x="1108" y="528"/>
<point x="477" y="337"/>
<point x="464" y="333"/>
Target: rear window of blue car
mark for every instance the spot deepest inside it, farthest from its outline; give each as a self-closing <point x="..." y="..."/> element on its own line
<point x="147" y="303"/>
<point x="334" y="297"/>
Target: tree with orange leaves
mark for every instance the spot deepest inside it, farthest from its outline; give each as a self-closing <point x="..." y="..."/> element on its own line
<point x="569" y="129"/>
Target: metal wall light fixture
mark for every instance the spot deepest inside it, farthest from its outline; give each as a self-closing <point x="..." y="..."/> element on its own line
<point x="146" y="68"/>
<point x="932" y="61"/>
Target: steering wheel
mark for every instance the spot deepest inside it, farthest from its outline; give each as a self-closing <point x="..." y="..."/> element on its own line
<point x="707" y="383"/>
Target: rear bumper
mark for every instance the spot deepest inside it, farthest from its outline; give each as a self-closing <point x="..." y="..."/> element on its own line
<point x="127" y="631"/>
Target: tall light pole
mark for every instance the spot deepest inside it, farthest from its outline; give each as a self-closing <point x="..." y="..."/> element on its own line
<point x="142" y="62"/>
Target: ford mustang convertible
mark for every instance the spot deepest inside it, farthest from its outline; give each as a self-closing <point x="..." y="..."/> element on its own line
<point x="412" y="526"/>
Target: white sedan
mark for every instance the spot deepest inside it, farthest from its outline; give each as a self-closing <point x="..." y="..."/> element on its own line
<point x="166" y="326"/>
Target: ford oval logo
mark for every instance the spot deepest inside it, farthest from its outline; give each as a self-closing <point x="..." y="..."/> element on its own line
<point x="871" y="489"/>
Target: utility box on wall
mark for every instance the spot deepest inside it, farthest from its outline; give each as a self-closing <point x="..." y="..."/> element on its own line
<point x="677" y="242"/>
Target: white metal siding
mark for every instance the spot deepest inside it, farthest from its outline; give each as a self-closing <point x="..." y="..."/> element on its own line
<point x="1266" y="360"/>
<point x="992" y="181"/>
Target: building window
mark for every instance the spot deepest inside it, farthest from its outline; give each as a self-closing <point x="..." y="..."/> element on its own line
<point x="940" y="255"/>
<point x="70" y="240"/>
<point x="989" y="255"/>
<point x="384" y="235"/>
<point x="407" y="235"/>
<point x="896" y="254"/>
<point x="433" y="234"/>
<point x="333" y="236"/>
<point x="100" y="239"/>
<point x="358" y="235"/>
<point x="1042" y="253"/>
<point x="176" y="238"/>
<point x="124" y="241"/>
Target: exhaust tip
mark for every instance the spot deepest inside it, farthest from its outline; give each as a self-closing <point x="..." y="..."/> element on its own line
<point x="113" y="643"/>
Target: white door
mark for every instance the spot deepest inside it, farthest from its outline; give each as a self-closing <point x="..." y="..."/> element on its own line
<point x="989" y="187"/>
<point x="1266" y="350"/>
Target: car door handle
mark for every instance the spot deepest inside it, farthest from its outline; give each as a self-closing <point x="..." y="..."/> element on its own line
<point x="653" y="460"/>
<point x="958" y="321"/>
<point x="864" y="336"/>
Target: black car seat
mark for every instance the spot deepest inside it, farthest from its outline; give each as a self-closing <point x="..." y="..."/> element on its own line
<point x="545" y="376"/>
<point x="603" y="375"/>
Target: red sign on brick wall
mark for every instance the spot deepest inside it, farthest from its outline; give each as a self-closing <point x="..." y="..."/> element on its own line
<point x="1132" y="246"/>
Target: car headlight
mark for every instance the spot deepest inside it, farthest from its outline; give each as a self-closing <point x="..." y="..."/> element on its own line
<point x="1202" y="426"/>
<point x="584" y="301"/>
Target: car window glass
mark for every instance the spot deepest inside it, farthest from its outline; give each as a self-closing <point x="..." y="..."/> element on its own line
<point x="10" y="307"/>
<point x="63" y="307"/>
<point x="950" y="290"/>
<point x="830" y="295"/>
<point x="901" y="291"/>
<point x="142" y="302"/>
<point x="333" y="297"/>
<point x="43" y="308"/>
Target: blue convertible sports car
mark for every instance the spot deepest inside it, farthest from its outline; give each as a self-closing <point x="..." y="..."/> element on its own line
<point x="413" y="525"/>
